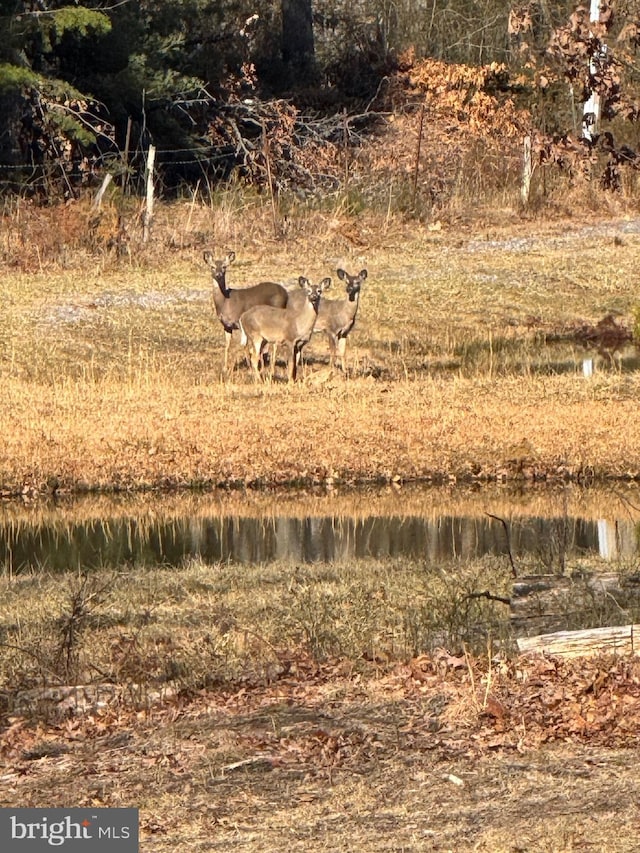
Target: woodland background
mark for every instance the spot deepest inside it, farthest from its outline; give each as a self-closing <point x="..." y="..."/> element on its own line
<point x="389" y="103"/>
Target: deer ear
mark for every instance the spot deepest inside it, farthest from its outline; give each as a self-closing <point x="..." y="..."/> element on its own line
<point x="207" y="256"/>
<point x="302" y="281"/>
<point x="231" y="257"/>
<point x="342" y="275"/>
<point x="325" y="284"/>
<point x="362" y="274"/>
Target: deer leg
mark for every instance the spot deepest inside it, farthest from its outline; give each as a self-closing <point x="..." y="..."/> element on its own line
<point x="332" y="350"/>
<point x="272" y="366"/>
<point x="265" y="356"/>
<point x="342" y="346"/>
<point x="255" y="358"/>
<point x="227" y="344"/>
<point x="296" y="351"/>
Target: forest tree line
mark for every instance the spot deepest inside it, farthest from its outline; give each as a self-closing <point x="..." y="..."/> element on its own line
<point x="86" y="88"/>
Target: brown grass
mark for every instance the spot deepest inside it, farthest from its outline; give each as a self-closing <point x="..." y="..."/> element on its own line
<point x="158" y="433"/>
<point x="112" y="368"/>
<point x="304" y="721"/>
<point x="202" y="626"/>
<point x="224" y="725"/>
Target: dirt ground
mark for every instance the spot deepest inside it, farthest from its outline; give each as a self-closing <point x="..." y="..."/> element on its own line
<point x="440" y="754"/>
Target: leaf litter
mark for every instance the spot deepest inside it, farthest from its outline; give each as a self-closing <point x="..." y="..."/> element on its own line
<point x="407" y="752"/>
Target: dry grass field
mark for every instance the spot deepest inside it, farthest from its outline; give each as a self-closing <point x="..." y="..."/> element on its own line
<point x="465" y="361"/>
<point x="314" y="707"/>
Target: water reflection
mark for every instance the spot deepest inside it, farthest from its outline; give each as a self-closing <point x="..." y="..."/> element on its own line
<point x="58" y="542"/>
<point x="551" y="358"/>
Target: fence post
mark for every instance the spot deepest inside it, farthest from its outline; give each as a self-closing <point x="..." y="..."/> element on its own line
<point x="416" y="167"/>
<point x="147" y="217"/>
<point x="527" y="169"/>
<point x="103" y="187"/>
<point x="125" y="157"/>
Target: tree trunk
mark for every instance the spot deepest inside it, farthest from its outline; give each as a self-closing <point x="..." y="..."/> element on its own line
<point x="620" y="640"/>
<point x="298" y="49"/>
<point x="591" y="109"/>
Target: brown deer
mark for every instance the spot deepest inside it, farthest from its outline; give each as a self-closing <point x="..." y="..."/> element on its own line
<point x="336" y="317"/>
<point x="292" y="325"/>
<point x="231" y="303"/>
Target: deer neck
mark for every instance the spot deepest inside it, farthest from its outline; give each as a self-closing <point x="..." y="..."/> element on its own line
<point x="305" y="319"/>
<point x="221" y="294"/>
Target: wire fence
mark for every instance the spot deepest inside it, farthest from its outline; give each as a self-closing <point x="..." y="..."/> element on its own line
<point x="85" y="174"/>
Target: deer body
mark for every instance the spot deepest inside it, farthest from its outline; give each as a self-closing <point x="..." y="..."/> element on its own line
<point x="336" y="317"/>
<point x="293" y="325"/>
<point x="231" y="303"/>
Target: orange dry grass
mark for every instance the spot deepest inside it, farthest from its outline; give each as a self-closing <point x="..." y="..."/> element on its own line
<point x="111" y="369"/>
<point x="108" y="435"/>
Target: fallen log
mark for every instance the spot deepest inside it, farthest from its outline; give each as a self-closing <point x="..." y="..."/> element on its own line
<point x="618" y="640"/>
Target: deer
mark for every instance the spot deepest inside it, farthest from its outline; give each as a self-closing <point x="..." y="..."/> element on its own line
<point x="293" y="325"/>
<point x="231" y="303"/>
<point x="336" y="317"/>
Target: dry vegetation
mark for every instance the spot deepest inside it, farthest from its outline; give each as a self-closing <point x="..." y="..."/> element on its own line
<point x="112" y="366"/>
<point x="237" y="707"/>
<point x="311" y="707"/>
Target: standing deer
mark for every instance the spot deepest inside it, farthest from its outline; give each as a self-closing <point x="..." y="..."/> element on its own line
<point x="231" y="303"/>
<point x="337" y="316"/>
<point x="292" y="325"/>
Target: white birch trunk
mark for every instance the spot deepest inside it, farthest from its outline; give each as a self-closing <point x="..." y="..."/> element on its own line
<point x="591" y="109"/>
<point x="527" y="169"/>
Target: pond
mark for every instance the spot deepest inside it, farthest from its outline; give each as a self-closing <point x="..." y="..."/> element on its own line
<point x="546" y="355"/>
<point x="434" y="525"/>
<point x="550" y="538"/>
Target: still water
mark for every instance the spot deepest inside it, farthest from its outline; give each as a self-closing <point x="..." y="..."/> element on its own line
<point x="434" y="525"/>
